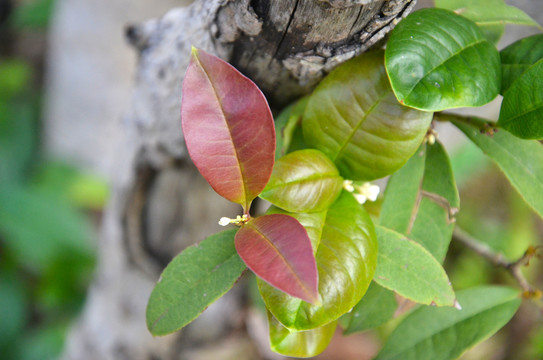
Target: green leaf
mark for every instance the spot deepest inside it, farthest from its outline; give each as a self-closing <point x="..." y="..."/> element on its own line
<point x="287" y="125"/>
<point x="305" y="343"/>
<point x="346" y="259"/>
<point x="192" y="281"/>
<point x="438" y="60"/>
<point x="228" y="128"/>
<point x="354" y="118"/>
<point x="303" y="181"/>
<point x="277" y="249"/>
<point x="376" y="308"/>
<point x="519" y="57"/>
<point x="445" y="333"/>
<point x="421" y="200"/>
<point x="520" y="160"/>
<point x="407" y="268"/>
<point x="521" y="112"/>
<point x="490" y="15"/>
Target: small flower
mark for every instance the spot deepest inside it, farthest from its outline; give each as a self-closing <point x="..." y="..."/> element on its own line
<point x="369" y="190"/>
<point x="362" y="193"/>
<point x="348" y="185"/>
<point x="238" y="221"/>
<point x="224" y="221"/>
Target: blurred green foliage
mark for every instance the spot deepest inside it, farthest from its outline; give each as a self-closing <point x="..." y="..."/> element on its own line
<point x="47" y="253"/>
<point x="33" y="14"/>
<point x="494" y="213"/>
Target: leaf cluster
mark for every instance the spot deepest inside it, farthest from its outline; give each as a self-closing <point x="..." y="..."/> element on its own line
<point x="319" y="257"/>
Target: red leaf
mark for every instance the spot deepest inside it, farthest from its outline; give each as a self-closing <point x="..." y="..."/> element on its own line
<point x="277" y="249"/>
<point x="228" y="128"/>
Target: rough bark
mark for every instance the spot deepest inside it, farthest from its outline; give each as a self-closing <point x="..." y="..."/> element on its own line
<point x="160" y="204"/>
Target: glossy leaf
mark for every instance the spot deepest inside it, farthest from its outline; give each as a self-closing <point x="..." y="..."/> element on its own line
<point x="287" y="127"/>
<point x="228" y="128"/>
<point x="277" y="249"/>
<point x="522" y="107"/>
<point x="407" y="268"/>
<point x="520" y="160"/>
<point x="302" y="344"/>
<point x="376" y="308"/>
<point x="421" y="199"/>
<point x="346" y="259"/>
<point x="192" y="281"/>
<point x="490" y="15"/>
<point x="519" y="57"/>
<point x="354" y="118"/>
<point x="438" y="60"/>
<point x="303" y="181"/>
<point x="445" y="333"/>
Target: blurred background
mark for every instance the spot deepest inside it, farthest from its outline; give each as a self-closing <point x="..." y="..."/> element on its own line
<point x="65" y="85"/>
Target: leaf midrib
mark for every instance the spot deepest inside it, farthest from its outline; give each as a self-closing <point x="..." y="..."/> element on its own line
<point x="410" y="91"/>
<point x="240" y="166"/>
<point x="287" y="263"/>
<point x="315" y="177"/>
<point x="359" y="124"/>
<point x="460" y="321"/>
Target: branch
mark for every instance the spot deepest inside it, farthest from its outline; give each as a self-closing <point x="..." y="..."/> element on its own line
<point x="498" y="260"/>
<point x="485" y="126"/>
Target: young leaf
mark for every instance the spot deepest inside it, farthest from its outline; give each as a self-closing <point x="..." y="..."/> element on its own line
<point x="303" y="181"/>
<point x="407" y="268"/>
<point x="522" y="107"/>
<point x="277" y="249"/>
<point x="519" y="57"/>
<point x="520" y="160"/>
<point x="228" y="128"/>
<point x="303" y="344"/>
<point x="354" y="118"/>
<point x="192" y="281"/>
<point x="490" y="15"/>
<point x="421" y="199"/>
<point x="438" y="60"/>
<point x="445" y="333"/>
<point x="346" y="258"/>
<point x="376" y="308"/>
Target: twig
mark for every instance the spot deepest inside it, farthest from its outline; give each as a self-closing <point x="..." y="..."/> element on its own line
<point x="498" y="260"/>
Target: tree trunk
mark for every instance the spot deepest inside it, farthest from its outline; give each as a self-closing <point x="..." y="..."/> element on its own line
<point x="160" y="204"/>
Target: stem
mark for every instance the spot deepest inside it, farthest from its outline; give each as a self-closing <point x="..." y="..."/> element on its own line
<point x="498" y="260"/>
<point x="482" y="124"/>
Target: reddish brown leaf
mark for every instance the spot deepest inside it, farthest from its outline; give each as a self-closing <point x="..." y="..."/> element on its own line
<point x="228" y="128"/>
<point x="277" y="249"/>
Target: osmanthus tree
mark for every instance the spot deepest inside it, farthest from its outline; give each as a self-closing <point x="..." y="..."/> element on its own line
<point x="319" y="258"/>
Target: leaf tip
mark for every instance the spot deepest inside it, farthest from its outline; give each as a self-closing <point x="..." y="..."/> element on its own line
<point x="194" y="51"/>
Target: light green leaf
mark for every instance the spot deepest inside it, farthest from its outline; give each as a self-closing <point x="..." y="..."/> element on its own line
<point x="522" y="107"/>
<point x="421" y="200"/>
<point x="354" y="118"/>
<point x="303" y="181"/>
<point x="303" y="344"/>
<point x="376" y="308"/>
<point x="346" y="259"/>
<point x="445" y="333"/>
<point x="520" y="160"/>
<point x="519" y="57"/>
<point x="410" y="270"/>
<point x="490" y="15"/>
<point x="287" y="128"/>
<point x="192" y="281"/>
<point x="438" y="60"/>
